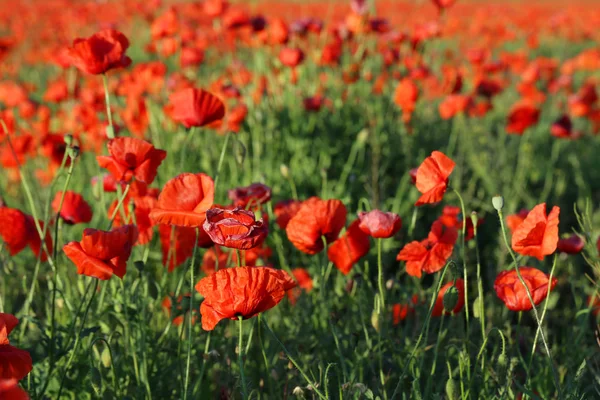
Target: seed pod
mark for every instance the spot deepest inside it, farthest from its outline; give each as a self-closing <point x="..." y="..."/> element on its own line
<point x="498" y="202"/>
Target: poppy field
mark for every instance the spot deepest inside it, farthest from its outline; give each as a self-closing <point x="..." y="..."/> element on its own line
<point x="320" y="199"/>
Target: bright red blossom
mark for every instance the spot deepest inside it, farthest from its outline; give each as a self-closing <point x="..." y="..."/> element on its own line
<point x="432" y="178"/>
<point x="132" y="158"/>
<point x="537" y="235"/>
<point x="74" y="209"/>
<point x="196" y="107"/>
<point x="100" y="52"/>
<point x="14" y="363"/>
<point x="511" y="291"/>
<point x="349" y="248"/>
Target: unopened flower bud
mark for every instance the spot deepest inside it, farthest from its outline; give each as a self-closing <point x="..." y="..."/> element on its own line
<point x="498" y="202"/>
<point x="73" y="152"/>
<point x="362" y="136"/>
<point x="285" y="171"/>
<point x="68" y="139"/>
<point x="240" y="152"/>
<point x="450" y="298"/>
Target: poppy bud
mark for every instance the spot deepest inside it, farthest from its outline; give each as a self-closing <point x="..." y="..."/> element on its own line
<point x="474" y="218"/>
<point x="298" y="391"/>
<point x="450" y="298"/>
<point x="110" y="132"/>
<point x="452" y="390"/>
<point x="240" y="152"/>
<point x="375" y="319"/>
<point x="105" y="357"/>
<point x="68" y="139"/>
<point x="285" y="171"/>
<point x="362" y="136"/>
<point x="96" y="379"/>
<point x="73" y="152"/>
<point x="498" y="202"/>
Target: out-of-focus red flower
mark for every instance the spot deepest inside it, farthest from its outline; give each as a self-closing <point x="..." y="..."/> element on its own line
<point x="584" y="101"/>
<point x="571" y="245"/>
<point x="432" y="178"/>
<point x="14" y="363"/>
<point x="349" y="248"/>
<point x="177" y="244"/>
<point x="100" y="52"/>
<point x="537" y="235"/>
<point x="102" y="254"/>
<point x="291" y="57"/>
<point x="18" y="230"/>
<point x="314" y="220"/>
<point x="406" y="96"/>
<point x="252" y="196"/>
<point x="277" y="32"/>
<point x="132" y="158"/>
<point x="75" y="209"/>
<point x="563" y="128"/>
<point x="196" y="107"/>
<point x="438" y="308"/>
<point x="450" y="216"/>
<point x="244" y="291"/>
<point x="285" y="210"/>
<point x="305" y="283"/>
<point x="176" y="312"/>
<point x="141" y="212"/>
<point x="10" y="389"/>
<point x="184" y="200"/>
<point x="522" y="115"/>
<point x="513" y="221"/>
<point x="454" y="104"/>
<point x="237" y="228"/>
<point x="401" y="311"/>
<point x="431" y="254"/>
<point x="215" y="8"/>
<point x="379" y="224"/>
<point x="215" y="259"/>
<point x="511" y="291"/>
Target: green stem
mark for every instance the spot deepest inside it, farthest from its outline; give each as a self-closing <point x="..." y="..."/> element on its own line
<point x="190" y="318"/>
<point x="463" y="255"/>
<point x="479" y="282"/>
<point x="111" y="130"/>
<point x="221" y="157"/>
<point x="241" y="358"/>
<point x="77" y="338"/>
<point x="380" y="276"/>
<point x="119" y="206"/>
<point x="539" y="328"/>
<point x="293" y="361"/>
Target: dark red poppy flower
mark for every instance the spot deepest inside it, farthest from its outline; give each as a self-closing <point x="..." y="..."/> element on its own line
<point x="537" y="235"/>
<point x="511" y="291"/>
<point x="379" y="224"/>
<point x="314" y="220"/>
<point x="252" y="196"/>
<point x="196" y="107"/>
<point x="141" y="216"/>
<point x="102" y="254"/>
<point x="349" y="248"/>
<point x="305" y="283"/>
<point x="571" y="245"/>
<point x="10" y="390"/>
<point x="431" y="254"/>
<point x="432" y="178"/>
<point x="175" y="311"/>
<point x="291" y="57"/>
<point x="184" y="200"/>
<point x="18" y="230"/>
<point x="75" y="209"/>
<point x="177" y="244"/>
<point x="401" y="311"/>
<point x="563" y="128"/>
<point x="100" y="52"/>
<point x="237" y="228"/>
<point x="244" y="291"/>
<point x="285" y="210"/>
<point x="14" y="363"/>
<point x="438" y="307"/>
<point x="522" y="115"/>
<point x="132" y="158"/>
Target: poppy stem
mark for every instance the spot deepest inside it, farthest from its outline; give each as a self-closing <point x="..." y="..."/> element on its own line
<point x="221" y="157"/>
<point x="464" y="256"/>
<point x="110" y="132"/>
<point x="241" y="358"/>
<point x="76" y="345"/>
<point x="190" y="318"/>
<point x="293" y="361"/>
<point x="539" y="328"/>
<point x="535" y="312"/>
<point x="380" y="276"/>
<point x="119" y="206"/>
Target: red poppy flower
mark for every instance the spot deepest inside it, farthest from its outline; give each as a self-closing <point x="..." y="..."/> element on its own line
<point x="513" y="221"/>
<point x="379" y="224"/>
<point x="196" y="107"/>
<point x="285" y="210"/>
<point x="571" y="245"/>
<point x="252" y="195"/>
<point x="401" y="311"/>
<point x="177" y="244"/>
<point x="141" y="212"/>
<point x="450" y="217"/>
<point x="244" y="291"/>
<point x="406" y="96"/>
<point x="74" y="209"/>
<point x="176" y="312"/>
<point x="18" y="230"/>
<point x="100" y="254"/>
<point x="291" y="57"/>
<point x="237" y="228"/>
<point x="438" y="307"/>
<point x="305" y="283"/>
<point x="184" y="200"/>
<point x="10" y="390"/>
<point x="511" y="291"/>
<point x="349" y="248"/>
<point x="522" y="116"/>
<point x="454" y="104"/>
<point x="537" y="235"/>
<point x="432" y="178"/>
<point x="100" y="52"/>
<point x="431" y="254"/>
<point x="215" y="259"/>
<point x="14" y="363"/>
<point x="132" y="157"/>
<point x="563" y="128"/>
<point x="314" y="220"/>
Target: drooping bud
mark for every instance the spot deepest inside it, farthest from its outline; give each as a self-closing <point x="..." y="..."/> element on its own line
<point x="450" y="298"/>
